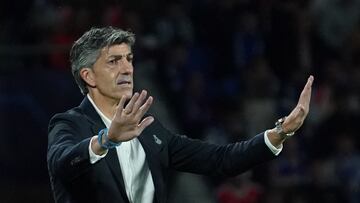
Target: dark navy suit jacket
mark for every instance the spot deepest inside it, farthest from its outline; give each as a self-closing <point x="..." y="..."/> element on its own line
<point x="74" y="179"/>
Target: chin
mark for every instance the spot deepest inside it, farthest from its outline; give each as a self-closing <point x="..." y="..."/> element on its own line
<point x="127" y="94"/>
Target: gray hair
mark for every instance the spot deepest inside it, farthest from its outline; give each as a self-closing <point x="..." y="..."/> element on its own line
<point x="86" y="50"/>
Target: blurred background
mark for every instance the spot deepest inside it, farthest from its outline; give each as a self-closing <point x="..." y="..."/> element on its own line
<point x="220" y="71"/>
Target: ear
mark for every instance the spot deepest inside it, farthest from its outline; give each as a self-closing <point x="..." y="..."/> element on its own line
<point x="87" y="74"/>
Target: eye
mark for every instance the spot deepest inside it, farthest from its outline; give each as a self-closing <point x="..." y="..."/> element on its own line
<point x="129" y="58"/>
<point x="112" y="61"/>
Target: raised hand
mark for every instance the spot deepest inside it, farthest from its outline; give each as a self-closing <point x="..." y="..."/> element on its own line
<point x="127" y="122"/>
<point x="297" y="116"/>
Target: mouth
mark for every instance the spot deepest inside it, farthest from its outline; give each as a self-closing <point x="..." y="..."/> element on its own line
<point x="124" y="82"/>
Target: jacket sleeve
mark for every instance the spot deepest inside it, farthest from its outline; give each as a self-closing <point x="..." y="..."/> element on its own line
<point x="195" y="156"/>
<point x="68" y="152"/>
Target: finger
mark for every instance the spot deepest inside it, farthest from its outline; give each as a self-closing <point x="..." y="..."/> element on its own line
<point x="145" y="123"/>
<point x="129" y="107"/>
<point x="122" y="102"/>
<point x="120" y="106"/>
<point x="305" y="95"/>
<point x="139" y="101"/>
<point x="144" y="108"/>
<point x="309" y="83"/>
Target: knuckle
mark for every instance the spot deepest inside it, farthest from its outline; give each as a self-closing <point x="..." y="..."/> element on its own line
<point x="301" y="107"/>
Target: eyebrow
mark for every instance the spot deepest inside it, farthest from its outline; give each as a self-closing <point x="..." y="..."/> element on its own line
<point x="119" y="56"/>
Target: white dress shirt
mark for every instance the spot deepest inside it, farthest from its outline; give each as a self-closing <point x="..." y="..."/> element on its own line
<point x="135" y="171"/>
<point x="137" y="177"/>
<point x="273" y="149"/>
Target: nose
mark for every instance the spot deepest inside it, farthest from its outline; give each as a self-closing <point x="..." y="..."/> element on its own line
<point x="126" y="66"/>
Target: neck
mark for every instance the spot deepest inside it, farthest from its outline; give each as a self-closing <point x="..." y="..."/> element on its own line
<point x="106" y="105"/>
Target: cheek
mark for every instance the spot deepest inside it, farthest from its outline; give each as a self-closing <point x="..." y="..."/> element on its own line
<point x="104" y="81"/>
<point x="107" y="77"/>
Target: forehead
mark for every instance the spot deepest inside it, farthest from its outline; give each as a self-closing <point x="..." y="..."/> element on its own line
<point x="117" y="49"/>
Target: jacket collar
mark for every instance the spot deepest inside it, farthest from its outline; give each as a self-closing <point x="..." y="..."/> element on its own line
<point x="90" y="113"/>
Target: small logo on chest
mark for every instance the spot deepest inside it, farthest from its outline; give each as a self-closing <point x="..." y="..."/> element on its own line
<point x="157" y="140"/>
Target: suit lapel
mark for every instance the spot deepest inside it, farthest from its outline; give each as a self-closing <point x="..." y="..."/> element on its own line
<point x="111" y="158"/>
<point x="113" y="163"/>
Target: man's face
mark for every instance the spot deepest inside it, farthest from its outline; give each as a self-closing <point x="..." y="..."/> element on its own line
<point x="113" y="72"/>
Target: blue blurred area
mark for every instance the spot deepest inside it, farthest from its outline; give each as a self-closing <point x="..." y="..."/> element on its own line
<point x="228" y="70"/>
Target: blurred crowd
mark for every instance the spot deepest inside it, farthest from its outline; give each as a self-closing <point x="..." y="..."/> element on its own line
<point x="228" y="69"/>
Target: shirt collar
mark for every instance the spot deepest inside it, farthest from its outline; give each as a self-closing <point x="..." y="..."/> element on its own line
<point x="105" y="119"/>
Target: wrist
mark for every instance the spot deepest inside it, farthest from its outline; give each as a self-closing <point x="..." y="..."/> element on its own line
<point x="95" y="146"/>
<point x="104" y="140"/>
<point x="281" y="130"/>
<point x="275" y="138"/>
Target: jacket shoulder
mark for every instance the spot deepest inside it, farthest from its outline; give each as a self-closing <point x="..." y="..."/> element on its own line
<point x="72" y="118"/>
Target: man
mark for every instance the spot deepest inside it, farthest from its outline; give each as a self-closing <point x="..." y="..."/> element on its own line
<point x="108" y="149"/>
